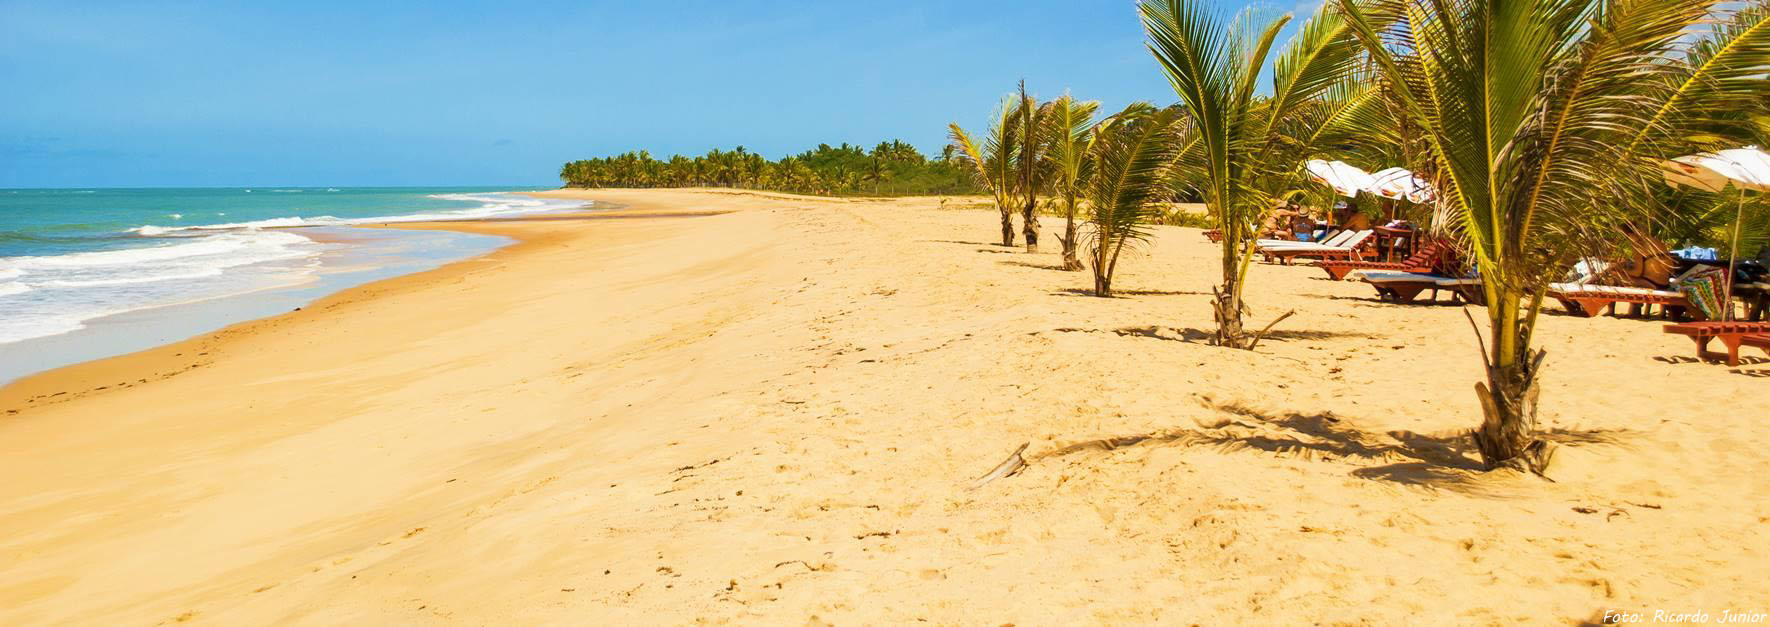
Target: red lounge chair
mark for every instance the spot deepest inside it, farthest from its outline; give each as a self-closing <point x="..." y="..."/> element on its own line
<point x="1591" y="300"/>
<point x="1214" y="235"/>
<point x="1420" y="262"/>
<point x="1732" y="335"/>
<point x="1403" y="287"/>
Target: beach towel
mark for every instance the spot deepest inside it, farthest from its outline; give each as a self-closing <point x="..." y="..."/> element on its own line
<point x="1703" y="288"/>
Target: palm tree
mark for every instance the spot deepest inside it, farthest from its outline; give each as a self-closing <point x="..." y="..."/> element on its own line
<point x="1030" y="173"/>
<point x="1546" y="120"/>
<point x="1248" y="151"/>
<point x="1128" y="157"/>
<point x="995" y="164"/>
<point x="1068" y="134"/>
<point x="875" y="172"/>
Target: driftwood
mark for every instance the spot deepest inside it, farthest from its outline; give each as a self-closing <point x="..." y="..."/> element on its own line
<point x="1008" y="467"/>
<point x="1262" y="334"/>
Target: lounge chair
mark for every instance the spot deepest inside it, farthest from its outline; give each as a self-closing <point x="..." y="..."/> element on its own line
<point x="1421" y="262"/>
<point x="1348" y="249"/>
<point x="1584" y="297"/>
<point x="1591" y="300"/>
<point x="1732" y="335"/>
<point x="1403" y="287"/>
<point x="1334" y="237"/>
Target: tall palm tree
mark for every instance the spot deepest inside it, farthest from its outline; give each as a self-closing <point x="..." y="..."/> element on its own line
<point x="1030" y="170"/>
<point x="875" y="172"/>
<point x="1068" y="135"/>
<point x="1546" y="120"/>
<point x="1248" y="151"/>
<point x="996" y="162"/>
<point x="1128" y="157"/>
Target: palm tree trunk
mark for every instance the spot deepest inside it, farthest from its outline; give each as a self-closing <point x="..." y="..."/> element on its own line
<point x="1030" y="219"/>
<point x="1509" y="397"/>
<point x="1007" y="226"/>
<point x="1070" y="262"/>
<point x="1102" y="271"/>
<point x="1226" y="303"/>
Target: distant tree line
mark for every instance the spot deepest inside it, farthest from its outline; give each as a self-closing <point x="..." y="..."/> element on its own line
<point x="892" y="168"/>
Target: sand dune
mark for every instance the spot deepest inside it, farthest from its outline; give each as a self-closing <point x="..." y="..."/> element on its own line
<point x="771" y="409"/>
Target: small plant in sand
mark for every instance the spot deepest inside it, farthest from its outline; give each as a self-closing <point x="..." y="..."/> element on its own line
<point x="1243" y="151"/>
<point x="1128" y="160"/>
<point x="1545" y="121"/>
<point x="1068" y="135"/>
<point x="995" y="162"/>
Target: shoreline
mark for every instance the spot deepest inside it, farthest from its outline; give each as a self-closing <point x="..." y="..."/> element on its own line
<point x="87" y="376"/>
<point x="775" y="410"/>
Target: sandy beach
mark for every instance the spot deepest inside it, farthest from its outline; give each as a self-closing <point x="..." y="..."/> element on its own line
<point x="715" y="406"/>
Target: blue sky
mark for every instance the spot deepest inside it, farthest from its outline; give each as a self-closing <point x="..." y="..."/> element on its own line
<point x="464" y="93"/>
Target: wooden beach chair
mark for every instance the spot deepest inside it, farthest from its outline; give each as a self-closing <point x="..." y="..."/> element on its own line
<point x="1215" y="235"/>
<point x="1404" y="287"/>
<point x="1732" y="335"/>
<point x="1591" y="300"/>
<point x="1330" y="238"/>
<point x="1349" y="249"/>
<point x="1422" y="261"/>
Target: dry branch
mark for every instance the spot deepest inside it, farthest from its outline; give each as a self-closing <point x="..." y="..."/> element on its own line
<point x="1008" y="467"/>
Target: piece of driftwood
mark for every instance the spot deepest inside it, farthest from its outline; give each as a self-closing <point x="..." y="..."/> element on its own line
<point x="1008" y="467"/>
<point x="1262" y="334"/>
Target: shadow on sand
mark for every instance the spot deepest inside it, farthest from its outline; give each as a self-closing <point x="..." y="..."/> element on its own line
<point x="1446" y="461"/>
<point x="1078" y="291"/>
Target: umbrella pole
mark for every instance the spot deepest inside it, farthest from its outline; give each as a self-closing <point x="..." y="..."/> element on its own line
<point x="1733" y="256"/>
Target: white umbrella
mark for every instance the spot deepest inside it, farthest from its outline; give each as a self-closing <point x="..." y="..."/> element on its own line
<point x="1746" y="168"/>
<point x="1346" y="179"/>
<point x="1743" y="168"/>
<point x="1399" y="184"/>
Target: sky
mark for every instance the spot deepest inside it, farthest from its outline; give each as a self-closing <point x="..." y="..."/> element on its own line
<point x="321" y="93"/>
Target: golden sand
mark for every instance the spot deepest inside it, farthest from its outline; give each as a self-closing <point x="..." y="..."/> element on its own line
<point x="773" y="412"/>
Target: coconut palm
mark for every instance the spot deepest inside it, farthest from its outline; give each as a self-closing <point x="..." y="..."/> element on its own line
<point x="1030" y="168"/>
<point x="1247" y="151"/>
<point x="1068" y="133"/>
<point x="996" y="162"/>
<point x="1128" y="159"/>
<point x="1545" y="121"/>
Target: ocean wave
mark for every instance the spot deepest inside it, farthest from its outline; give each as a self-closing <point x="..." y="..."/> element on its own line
<point x="60" y="292"/>
<point x="492" y="205"/>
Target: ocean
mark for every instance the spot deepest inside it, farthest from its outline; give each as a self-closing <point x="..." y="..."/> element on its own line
<point x="99" y="268"/>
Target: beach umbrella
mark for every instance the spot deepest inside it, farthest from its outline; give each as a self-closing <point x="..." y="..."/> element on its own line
<point x="1346" y="179"/>
<point x="1745" y="168"/>
<point x="1740" y="168"/>
<point x="1400" y="184"/>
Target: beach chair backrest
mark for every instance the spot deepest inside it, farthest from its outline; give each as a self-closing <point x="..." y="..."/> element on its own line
<point x="1357" y="239"/>
<point x="1424" y="253"/>
<point x="1339" y="239"/>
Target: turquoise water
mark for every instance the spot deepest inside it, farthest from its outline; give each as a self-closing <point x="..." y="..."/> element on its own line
<point x="69" y="258"/>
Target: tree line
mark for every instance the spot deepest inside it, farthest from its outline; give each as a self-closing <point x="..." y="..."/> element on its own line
<point x="892" y="168"/>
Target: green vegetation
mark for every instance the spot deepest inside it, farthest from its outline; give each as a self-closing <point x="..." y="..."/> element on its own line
<point x="1241" y="151"/>
<point x="1542" y="125"/>
<point x="892" y="168"/>
<point x="1536" y="172"/>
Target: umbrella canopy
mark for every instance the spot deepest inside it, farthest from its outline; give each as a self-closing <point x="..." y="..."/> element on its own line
<point x="1346" y="179"/>
<point x="1746" y="168"/>
<point x="1742" y="168"/>
<point x="1399" y="184"/>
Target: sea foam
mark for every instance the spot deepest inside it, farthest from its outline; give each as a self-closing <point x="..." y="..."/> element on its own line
<point x="48" y="295"/>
